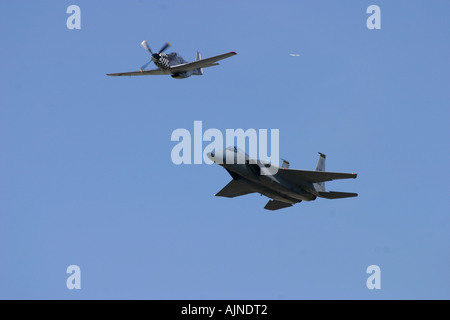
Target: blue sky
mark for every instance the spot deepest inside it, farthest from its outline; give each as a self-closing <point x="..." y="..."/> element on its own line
<point x="86" y="176"/>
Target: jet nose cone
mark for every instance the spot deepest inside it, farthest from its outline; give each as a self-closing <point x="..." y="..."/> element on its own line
<point x="216" y="156"/>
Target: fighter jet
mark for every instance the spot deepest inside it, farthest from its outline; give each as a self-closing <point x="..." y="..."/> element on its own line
<point x="173" y="64"/>
<point x="286" y="187"/>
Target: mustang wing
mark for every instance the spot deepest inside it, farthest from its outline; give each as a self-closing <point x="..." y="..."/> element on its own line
<point x="204" y="63"/>
<point x="153" y="72"/>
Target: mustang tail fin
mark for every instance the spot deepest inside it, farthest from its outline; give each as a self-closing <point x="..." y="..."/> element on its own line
<point x="199" y="71"/>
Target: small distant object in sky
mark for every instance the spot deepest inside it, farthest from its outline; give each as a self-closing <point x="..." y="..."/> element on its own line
<point x="173" y="64"/>
<point x="294" y="54"/>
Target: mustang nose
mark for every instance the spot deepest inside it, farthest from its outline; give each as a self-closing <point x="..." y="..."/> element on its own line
<point x="156" y="56"/>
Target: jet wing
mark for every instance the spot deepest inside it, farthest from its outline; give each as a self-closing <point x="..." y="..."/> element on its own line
<point x="154" y="72"/>
<point x="336" y="195"/>
<point x="275" y="205"/>
<point x="235" y="188"/>
<point x="204" y="63"/>
<point x="293" y="175"/>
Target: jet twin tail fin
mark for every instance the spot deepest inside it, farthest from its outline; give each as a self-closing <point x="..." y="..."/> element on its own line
<point x="320" y="186"/>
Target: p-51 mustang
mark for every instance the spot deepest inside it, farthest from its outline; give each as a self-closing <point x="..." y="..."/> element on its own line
<point x="173" y="64"/>
<point x="286" y="187"/>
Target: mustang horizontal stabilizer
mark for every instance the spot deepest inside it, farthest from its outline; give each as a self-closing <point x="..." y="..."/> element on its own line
<point x="337" y="195"/>
<point x="293" y="175"/>
<point x="235" y="188"/>
<point x="275" y="205"/>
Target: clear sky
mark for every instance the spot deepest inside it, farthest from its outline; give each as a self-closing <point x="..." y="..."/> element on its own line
<point x="86" y="176"/>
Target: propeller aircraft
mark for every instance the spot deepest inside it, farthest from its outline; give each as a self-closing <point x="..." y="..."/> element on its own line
<point x="173" y="64"/>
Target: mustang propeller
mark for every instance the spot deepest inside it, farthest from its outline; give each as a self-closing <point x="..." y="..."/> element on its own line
<point x="155" y="56"/>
